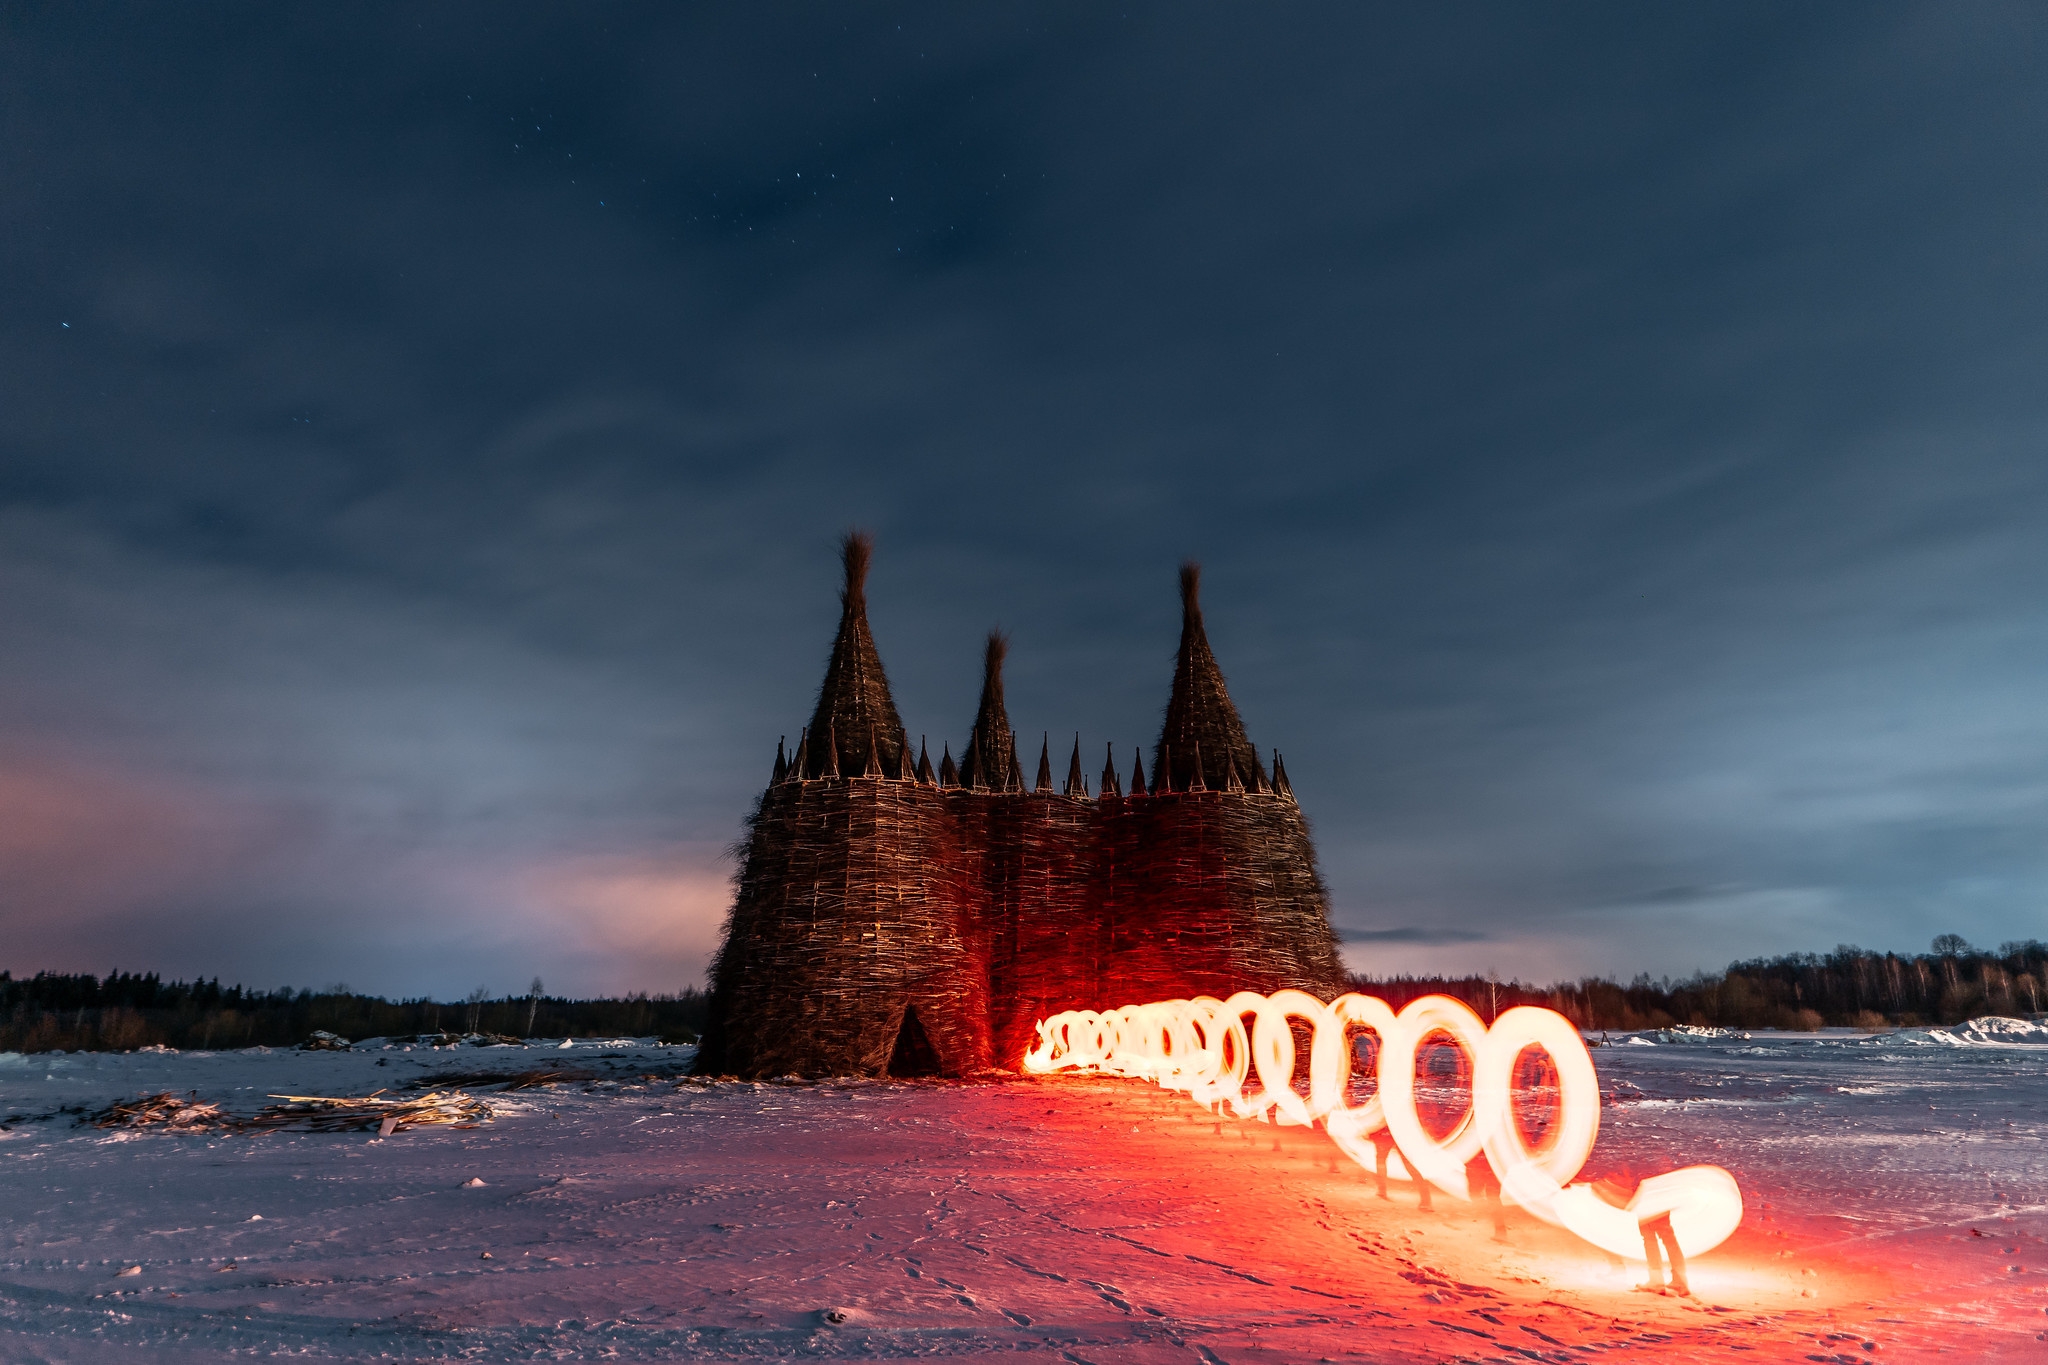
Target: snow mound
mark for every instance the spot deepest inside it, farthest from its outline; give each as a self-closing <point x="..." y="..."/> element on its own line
<point x="1687" y="1033"/>
<point x="1990" y="1030"/>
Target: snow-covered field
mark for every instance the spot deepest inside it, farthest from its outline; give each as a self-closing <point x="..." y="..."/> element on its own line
<point x="1897" y="1188"/>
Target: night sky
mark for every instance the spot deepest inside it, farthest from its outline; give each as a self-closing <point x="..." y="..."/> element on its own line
<point x="1614" y="438"/>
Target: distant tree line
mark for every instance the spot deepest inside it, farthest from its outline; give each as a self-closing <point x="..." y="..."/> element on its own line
<point x="52" y="1011"/>
<point x="1850" y="987"/>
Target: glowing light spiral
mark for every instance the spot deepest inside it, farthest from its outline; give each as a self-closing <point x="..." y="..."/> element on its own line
<point x="1203" y="1048"/>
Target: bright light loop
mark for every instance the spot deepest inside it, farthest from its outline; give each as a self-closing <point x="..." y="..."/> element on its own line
<point x="1440" y="1161"/>
<point x="1535" y="1179"/>
<point x="1349" y="1125"/>
<point x="1202" y="1047"/>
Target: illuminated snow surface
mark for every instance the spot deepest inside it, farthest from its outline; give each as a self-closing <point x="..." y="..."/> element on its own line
<point x="1897" y="1189"/>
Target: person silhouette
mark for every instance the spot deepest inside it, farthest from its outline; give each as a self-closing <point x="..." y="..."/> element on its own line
<point x="1382" y="1146"/>
<point x="1655" y="1230"/>
<point x="1660" y="1242"/>
<point x="1484" y="1184"/>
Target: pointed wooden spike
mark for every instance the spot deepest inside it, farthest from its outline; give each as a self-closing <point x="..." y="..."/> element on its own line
<point x="831" y="764"/>
<point x="1138" y="772"/>
<point x="970" y="777"/>
<point x="800" y="768"/>
<point x="924" y="762"/>
<point x="1109" y="782"/>
<point x="949" y="776"/>
<point x="1077" y="785"/>
<point x="781" y="763"/>
<point x="873" y="767"/>
<point x="1230" y="778"/>
<point x="1195" y="783"/>
<point x="1281" y="786"/>
<point x="1044" y="784"/>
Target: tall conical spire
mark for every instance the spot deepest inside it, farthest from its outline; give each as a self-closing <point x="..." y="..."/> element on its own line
<point x="1200" y="717"/>
<point x="990" y="759"/>
<point x="924" y="763"/>
<point x="1137" y="772"/>
<point x="781" y="763"/>
<point x="1109" y="782"/>
<point x="949" y="776"/>
<point x="1044" y="785"/>
<point x="854" y="705"/>
<point x="1077" y="785"/>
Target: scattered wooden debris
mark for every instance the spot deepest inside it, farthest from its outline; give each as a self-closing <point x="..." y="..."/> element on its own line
<point x="323" y="1041"/>
<point x="162" y="1110"/>
<point x="320" y="1113"/>
<point x="330" y="1114"/>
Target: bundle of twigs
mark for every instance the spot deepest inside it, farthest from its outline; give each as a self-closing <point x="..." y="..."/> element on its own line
<point x="328" y="1114"/>
<point x="161" y="1110"/>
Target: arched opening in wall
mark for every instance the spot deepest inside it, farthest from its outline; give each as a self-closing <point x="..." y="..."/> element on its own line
<point x="913" y="1054"/>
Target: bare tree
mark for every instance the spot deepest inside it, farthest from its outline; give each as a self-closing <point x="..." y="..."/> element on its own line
<point x="1949" y="947"/>
<point x="475" y="1000"/>
<point x="532" y="1004"/>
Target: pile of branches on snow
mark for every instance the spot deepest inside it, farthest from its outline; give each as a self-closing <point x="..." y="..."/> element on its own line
<point x="162" y="1110"/>
<point x="304" y="1113"/>
<point x="326" y="1114"/>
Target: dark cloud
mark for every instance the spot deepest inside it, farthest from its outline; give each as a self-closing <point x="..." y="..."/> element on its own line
<point x="1612" y="435"/>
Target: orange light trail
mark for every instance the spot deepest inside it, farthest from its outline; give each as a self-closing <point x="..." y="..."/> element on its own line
<point x="1202" y="1047"/>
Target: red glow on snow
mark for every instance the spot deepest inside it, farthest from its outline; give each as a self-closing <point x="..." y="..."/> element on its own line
<point x="1203" y="1048"/>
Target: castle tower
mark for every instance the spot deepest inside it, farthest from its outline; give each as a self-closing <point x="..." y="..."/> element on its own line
<point x="1209" y="885"/>
<point x="855" y="942"/>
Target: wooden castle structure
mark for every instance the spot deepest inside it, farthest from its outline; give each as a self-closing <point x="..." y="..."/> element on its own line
<point x="892" y="918"/>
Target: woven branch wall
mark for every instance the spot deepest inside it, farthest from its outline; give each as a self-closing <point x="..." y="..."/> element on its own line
<point x="985" y="912"/>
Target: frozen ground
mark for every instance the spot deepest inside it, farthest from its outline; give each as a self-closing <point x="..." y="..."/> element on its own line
<point x="1896" y="1189"/>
